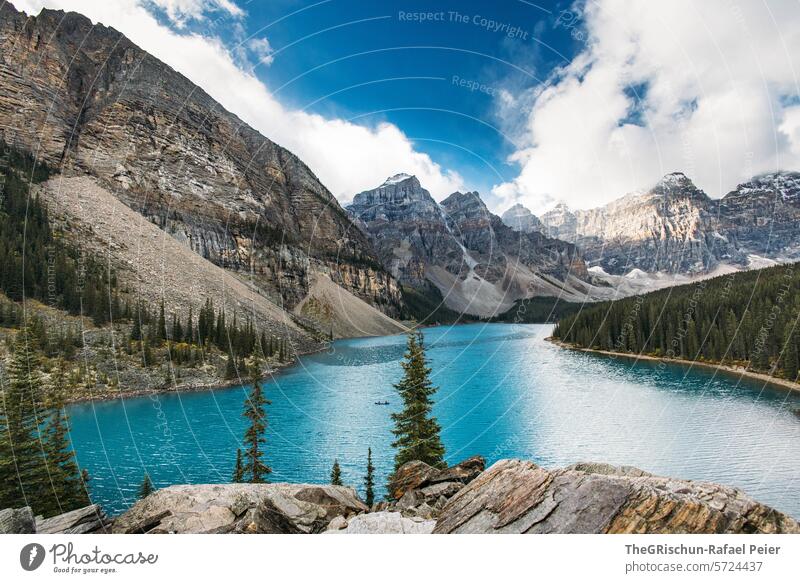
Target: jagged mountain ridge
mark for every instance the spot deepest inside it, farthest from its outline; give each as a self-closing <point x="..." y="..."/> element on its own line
<point x="480" y="265"/>
<point x="87" y="100"/>
<point x="676" y="228"/>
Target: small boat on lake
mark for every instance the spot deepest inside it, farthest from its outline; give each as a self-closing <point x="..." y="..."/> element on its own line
<point x="381" y="402"/>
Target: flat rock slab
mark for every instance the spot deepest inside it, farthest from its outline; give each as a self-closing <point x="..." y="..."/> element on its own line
<point x="81" y="521"/>
<point x="516" y="496"/>
<point x="383" y="523"/>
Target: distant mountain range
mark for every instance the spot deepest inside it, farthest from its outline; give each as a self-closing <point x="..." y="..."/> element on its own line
<point x="477" y="263"/>
<point x="674" y="228"/>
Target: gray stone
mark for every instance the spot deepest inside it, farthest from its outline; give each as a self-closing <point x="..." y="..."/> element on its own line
<point x="80" y="521"/>
<point x="410" y="476"/>
<point x="385" y="523"/>
<point x="516" y="496"/>
<point x="240" y="508"/>
<point x="463" y="472"/>
<point x="17" y="521"/>
<point x="338" y="523"/>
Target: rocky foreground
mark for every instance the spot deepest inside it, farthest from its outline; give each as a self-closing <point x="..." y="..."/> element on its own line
<point x="512" y="496"/>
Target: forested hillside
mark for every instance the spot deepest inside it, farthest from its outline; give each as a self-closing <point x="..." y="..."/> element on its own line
<point x="748" y="318"/>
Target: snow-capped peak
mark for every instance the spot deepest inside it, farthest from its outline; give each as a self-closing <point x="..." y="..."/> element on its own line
<point x="397" y="178"/>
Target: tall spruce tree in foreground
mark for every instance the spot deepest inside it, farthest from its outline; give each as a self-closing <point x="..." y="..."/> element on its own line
<point x="415" y="429"/>
<point x="369" y="480"/>
<point x="254" y="468"/>
<point x="336" y="474"/>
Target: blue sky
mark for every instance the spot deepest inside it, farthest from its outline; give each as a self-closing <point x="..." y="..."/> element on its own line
<point x="577" y="102"/>
<point x="435" y="76"/>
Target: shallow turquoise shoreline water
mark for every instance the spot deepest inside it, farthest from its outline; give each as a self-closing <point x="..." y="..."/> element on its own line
<point x="504" y="392"/>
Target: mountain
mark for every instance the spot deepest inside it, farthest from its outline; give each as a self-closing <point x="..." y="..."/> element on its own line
<point x="89" y="102"/>
<point x="520" y="218"/>
<point x="479" y="265"/>
<point x="761" y="217"/>
<point x="406" y="226"/>
<point x="675" y="228"/>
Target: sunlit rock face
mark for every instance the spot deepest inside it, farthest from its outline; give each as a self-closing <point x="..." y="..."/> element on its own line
<point x="87" y="100"/>
<point x="674" y="227"/>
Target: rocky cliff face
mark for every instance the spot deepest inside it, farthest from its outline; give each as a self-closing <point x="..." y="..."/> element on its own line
<point x="761" y="216"/>
<point x="480" y="265"/>
<point x="88" y="101"/>
<point x="406" y="226"/>
<point x="676" y="228"/>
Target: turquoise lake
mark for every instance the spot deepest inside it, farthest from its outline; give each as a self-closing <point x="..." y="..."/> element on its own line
<point x="503" y="392"/>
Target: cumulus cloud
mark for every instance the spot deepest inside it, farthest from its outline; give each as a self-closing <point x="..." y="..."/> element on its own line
<point x="180" y="11"/>
<point x="708" y="88"/>
<point x="261" y="49"/>
<point x="347" y="157"/>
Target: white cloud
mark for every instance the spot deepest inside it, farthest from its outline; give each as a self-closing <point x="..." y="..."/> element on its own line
<point x="714" y="79"/>
<point x="261" y="49"/>
<point x="347" y="157"/>
<point x="179" y="11"/>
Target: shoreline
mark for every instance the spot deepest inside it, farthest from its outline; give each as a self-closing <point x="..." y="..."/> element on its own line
<point x="727" y="369"/>
<point x="188" y="387"/>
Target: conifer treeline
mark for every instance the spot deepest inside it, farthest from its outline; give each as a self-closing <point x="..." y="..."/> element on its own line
<point x="239" y="340"/>
<point x="748" y="318"/>
<point x="35" y="262"/>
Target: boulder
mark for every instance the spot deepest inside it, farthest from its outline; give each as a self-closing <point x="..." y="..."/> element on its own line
<point x="463" y="472"/>
<point x="515" y="496"/>
<point x="385" y="523"/>
<point x="410" y="476"/>
<point x="89" y="519"/>
<point x="416" y="475"/>
<point x="435" y="491"/>
<point x="338" y="523"/>
<point x="17" y="521"/>
<point x="240" y="508"/>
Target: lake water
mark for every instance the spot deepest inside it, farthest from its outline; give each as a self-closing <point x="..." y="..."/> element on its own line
<point x="503" y="392"/>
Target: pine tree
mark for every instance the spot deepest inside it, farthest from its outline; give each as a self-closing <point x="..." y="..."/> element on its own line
<point x="415" y="429"/>
<point x="9" y="485"/>
<point x="790" y="357"/>
<point x="369" y="480"/>
<point x="230" y="367"/>
<point x="24" y="418"/>
<point x="146" y="487"/>
<point x="189" y="330"/>
<point x="161" y="330"/>
<point x="254" y="467"/>
<point x="177" y="329"/>
<point x="238" y="470"/>
<point x="336" y="474"/>
<point x="65" y="478"/>
<point x="136" y="329"/>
